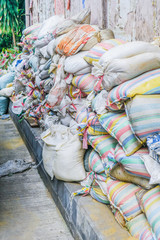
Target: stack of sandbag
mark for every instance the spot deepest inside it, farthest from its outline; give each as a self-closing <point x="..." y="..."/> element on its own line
<point x="6" y="90"/>
<point x="127" y="109"/>
<point x="36" y="66"/>
<point x="76" y="79"/>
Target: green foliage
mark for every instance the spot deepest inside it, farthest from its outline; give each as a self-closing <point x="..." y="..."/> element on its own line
<point x="8" y="15"/>
<point x="6" y="38"/>
<point x="7" y="56"/>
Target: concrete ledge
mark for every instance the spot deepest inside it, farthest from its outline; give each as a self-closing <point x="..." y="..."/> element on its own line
<point x="86" y="218"/>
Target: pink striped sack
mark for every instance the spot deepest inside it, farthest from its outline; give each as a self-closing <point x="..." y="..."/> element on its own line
<point x="140" y="228"/>
<point x="104" y="145"/>
<point x="117" y="125"/>
<point x="145" y="84"/>
<point x="96" y="167"/>
<point x="133" y="164"/>
<point x="85" y="83"/>
<point x="122" y="196"/>
<point x="99" y="49"/>
<point x="88" y="124"/>
<point x="151" y="206"/>
<point x="74" y="92"/>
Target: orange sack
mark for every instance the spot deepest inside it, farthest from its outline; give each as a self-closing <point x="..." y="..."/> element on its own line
<point x="75" y="39"/>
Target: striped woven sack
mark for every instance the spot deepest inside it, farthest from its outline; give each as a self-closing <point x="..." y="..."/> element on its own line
<point x="119" y="217"/>
<point x="139" y="228"/>
<point x="84" y="82"/>
<point x="104" y="145"/>
<point x="74" y="92"/>
<point x="98" y="195"/>
<point x="99" y="49"/>
<point x="122" y="196"/>
<point x="95" y="163"/>
<point x="151" y="206"/>
<point x="147" y="234"/>
<point x="83" y="115"/>
<point x="92" y="126"/>
<point x="144" y="115"/>
<point x="133" y="164"/>
<point x="145" y="84"/>
<point x="117" y="125"/>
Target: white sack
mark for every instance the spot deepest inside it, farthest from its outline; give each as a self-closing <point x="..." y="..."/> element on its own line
<point x="33" y="62"/>
<point x="122" y="51"/>
<point x="76" y="63"/>
<point x="99" y="102"/>
<point x="153" y="168"/>
<point x="44" y="74"/>
<point x="118" y="71"/>
<point x="6" y="92"/>
<point x="63" y="154"/>
<point x="44" y="53"/>
<point x="66" y="120"/>
<point x="42" y="61"/>
<point x="83" y="71"/>
<point x="49" y="25"/>
<point x="51" y="47"/>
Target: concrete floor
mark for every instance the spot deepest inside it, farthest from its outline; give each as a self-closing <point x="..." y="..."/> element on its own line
<point x="27" y="211"/>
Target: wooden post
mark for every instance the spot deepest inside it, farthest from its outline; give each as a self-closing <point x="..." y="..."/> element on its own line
<point x="27" y="14"/>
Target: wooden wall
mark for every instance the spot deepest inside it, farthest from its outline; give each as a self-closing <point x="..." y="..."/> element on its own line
<point x="129" y="19"/>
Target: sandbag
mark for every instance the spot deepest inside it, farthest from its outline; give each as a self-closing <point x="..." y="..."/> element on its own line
<point x="47" y="64"/>
<point x="103" y="144"/>
<point x="97" y="194"/>
<point x="51" y="47"/>
<point x="95" y="53"/>
<point x="4" y="101"/>
<point x="74" y="92"/>
<point x="152" y="167"/>
<point x="62" y="161"/>
<point x="145" y="84"/>
<point x="31" y="29"/>
<point x="122" y="196"/>
<point x="139" y="228"/>
<point x="84" y="82"/>
<point x="66" y="120"/>
<point x="5" y="79"/>
<point x="83" y="71"/>
<point x="59" y="89"/>
<point x="44" y="53"/>
<point x="128" y="50"/>
<point x="68" y="24"/>
<point x="33" y="62"/>
<point x="122" y="51"/>
<point x="118" y="126"/>
<point x="143" y="112"/>
<point x="106" y="34"/>
<point x="150" y="204"/>
<point x="6" y="92"/>
<point x="75" y="39"/>
<point x="49" y="25"/>
<point x="133" y="164"/>
<point x="44" y="74"/>
<point x="76" y="63"/>
<point x="118" y="71"/>
<point x="119" y="173"/>
<point x="100" y="36"/>
<point x="96" y="38"/>
<point x="42" y="61"/>
<point x="98" y="104"/>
